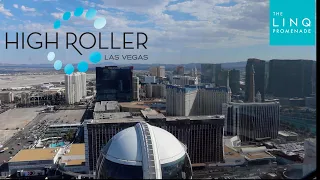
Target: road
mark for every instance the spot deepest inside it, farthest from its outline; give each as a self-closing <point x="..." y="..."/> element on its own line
<point x="239" y="171"/>
<point x="19" y="137"/>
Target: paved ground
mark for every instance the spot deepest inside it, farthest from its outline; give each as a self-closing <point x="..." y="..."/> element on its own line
<point x="17" y="118"/>
<point x="28" y="80"/>
<point x="14" y="119"/>
<point x="233" y="172"/>
<point x="66" y="116"/>
<point x="6" y="135"/>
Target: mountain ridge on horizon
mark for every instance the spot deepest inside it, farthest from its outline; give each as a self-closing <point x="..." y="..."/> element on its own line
<point x="138" y="66"/>
<point x="113" y="63"/>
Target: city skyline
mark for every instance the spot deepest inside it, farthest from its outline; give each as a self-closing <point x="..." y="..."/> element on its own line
<point x="209" y="32"/>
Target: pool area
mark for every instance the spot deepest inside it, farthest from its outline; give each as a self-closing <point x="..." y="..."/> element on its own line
<point x="59" y="144"/>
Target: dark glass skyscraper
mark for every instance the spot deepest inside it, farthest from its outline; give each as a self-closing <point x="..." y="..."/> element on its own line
<point x="209" y="73"/>
<point x="223" y="78"/>
<point x="290" y="78"/>
<point x="114" y="83"/>
<point x="234" y="81"/>
<point x="314" y="77"/>
<point x="259" y="77"/>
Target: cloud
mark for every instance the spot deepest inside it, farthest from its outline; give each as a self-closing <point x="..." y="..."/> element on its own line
<point x="87" y="3"/>
<point x="173" y="26"/>
<point x="57" y="15"/>
<point x="140" y="6"/>
<point x="27" y="9"/>
<point x="218" y="23"/>
<point x="45" y="0"/>
<point x="4" y="11"/>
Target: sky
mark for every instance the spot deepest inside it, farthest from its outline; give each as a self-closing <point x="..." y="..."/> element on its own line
<point x="179" y="31"/>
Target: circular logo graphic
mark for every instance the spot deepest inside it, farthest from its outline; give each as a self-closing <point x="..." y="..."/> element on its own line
<point x="95" y="57"/>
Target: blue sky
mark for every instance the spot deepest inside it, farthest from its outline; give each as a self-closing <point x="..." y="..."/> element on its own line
<point x="179" y="31"/>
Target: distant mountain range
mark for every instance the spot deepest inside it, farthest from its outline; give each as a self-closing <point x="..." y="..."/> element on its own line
<point x="231" y="65"/>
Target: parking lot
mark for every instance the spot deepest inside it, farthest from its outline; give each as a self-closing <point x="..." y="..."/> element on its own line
<point x="14" y="120"/>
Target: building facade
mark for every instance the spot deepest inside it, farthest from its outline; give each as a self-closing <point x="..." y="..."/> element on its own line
<point x="314" y="77"/>
<point x="311" y="102"/>
<point x="223" y="78"/>
<point x="149" y="79"/>
<point x="209" y="73"/>
<point x="158" y="71"/>
<point x="309" y="162"/>
<point x="234" y="81"/>
<point x="41" y="98"/>
<point x="114" y="83"/>
<point x="136" y="88"/>
<point x="203" y="135"/>
<point x="251" y="121"/>
<point x="291" y="78"/>
<point x="75" y="87"/>
<point x="179" y="70"/>
<point x="259" y="67"/>
<point x="161" y="71"/>
<point x="6" y="97"/>
<point x="194" y="72"/>
<point x="184" y="80"/>
<point x="154" y="90"/>
<point x="196" y="100"/>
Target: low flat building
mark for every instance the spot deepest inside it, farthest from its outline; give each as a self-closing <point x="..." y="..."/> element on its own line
<point x="257" y="155"/>
<point x="288" y="136"/>
<point x="40" y="162"/>
<point x="33" y="162"/>
<point x="73" y="159"/>
<point x="135" y="106"/>
<point x="59" y="130"/>
<point x="112" y="115"/>
<point x="148" y="111"/>
<point x="231" y="158"/>
<point x="106" y="106"/>
<point x="152" y="115"/>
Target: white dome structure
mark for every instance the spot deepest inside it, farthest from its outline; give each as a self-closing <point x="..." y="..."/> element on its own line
<point x="144" y="152"/>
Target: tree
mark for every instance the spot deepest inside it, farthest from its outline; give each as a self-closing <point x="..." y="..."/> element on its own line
<point x="69" y="136"/>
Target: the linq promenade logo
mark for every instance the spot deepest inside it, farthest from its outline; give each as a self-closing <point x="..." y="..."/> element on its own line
<point x="71" y="38"/>
<point x="292" y="22"/>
